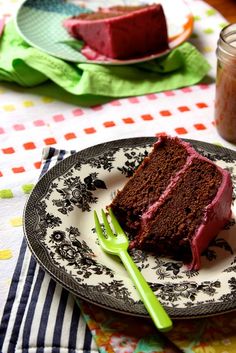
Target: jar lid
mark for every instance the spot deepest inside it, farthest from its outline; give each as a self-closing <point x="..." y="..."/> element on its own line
<point x="227" y="40"/>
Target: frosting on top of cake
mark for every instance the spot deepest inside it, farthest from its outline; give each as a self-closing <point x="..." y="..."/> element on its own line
<point x="215" y="213"/>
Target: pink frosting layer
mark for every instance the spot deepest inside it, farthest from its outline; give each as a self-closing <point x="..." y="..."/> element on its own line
<point x="216" y="213"/>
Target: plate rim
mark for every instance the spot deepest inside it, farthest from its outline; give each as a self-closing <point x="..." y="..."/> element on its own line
<point x="93" y="151"/>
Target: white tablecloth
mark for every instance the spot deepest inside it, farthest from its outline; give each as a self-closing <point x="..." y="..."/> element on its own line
<point x="30" y="122"/>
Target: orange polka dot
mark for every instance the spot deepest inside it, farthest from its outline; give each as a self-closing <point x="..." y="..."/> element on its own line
<point x="50" y="141"/>
<point x="70" y="136"/>
<point x="201" y="105"/>
<point x="183" y="109"/>
<point x="18" y="170"/>
<point x="89" y="130"/>
<point x="165" y="113"/>
<point x="29" y="146"/>
<point x="1" y="174"/>
<point x="38" y="164"/>
<point x="200" y="126"/>
<point x="181" y="130"/>
<point x="8" y="150"/>
<point x="109" y="124"/>
<point x="128" y="121"/>
<point x="147" y="117"/>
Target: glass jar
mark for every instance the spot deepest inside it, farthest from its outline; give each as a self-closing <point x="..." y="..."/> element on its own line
<point x="225" y="97"/>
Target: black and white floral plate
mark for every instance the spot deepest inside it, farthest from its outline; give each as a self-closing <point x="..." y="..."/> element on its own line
<point x="59" y="227"/>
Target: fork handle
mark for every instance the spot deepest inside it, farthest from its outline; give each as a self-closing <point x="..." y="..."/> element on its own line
<point x="152" y="304"/>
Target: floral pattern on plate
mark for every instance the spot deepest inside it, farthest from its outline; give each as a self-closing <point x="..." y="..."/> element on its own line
<point x="59" y="227"/>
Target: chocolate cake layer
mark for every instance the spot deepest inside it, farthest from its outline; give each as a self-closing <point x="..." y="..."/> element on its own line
<point x="148" y="184"/>
<point x="173" y="224"/>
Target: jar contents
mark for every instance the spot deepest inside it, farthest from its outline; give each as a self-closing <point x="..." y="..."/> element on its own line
<point x="225" y="97"/>
<point x="225" y="101"/>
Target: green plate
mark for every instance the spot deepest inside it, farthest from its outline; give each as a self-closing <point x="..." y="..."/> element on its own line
<point x="39" y="22"/>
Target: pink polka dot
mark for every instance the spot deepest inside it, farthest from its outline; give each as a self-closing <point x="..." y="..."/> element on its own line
<point x="2" y="130"/>
<point x="39" y="123"/>
<point x="151" y="96"/>
<point x="77" y="112"/>
<point x="116" y="103"/>
<point x="204" y="86"/>
<point x="169" y="93"/>
<point x="58" y="118"/>
<point x="19" y="127"/>
<point x="186" y="90"/>
<point x="133" y="100"/>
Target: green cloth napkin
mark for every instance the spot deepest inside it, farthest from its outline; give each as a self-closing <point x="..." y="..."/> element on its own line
<point x="30" y="67"/>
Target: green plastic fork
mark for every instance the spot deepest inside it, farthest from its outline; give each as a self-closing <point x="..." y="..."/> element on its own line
<point x="117" y="244"/>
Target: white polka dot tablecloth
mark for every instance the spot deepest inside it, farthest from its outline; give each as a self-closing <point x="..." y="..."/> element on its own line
<point x="30" y="122"/>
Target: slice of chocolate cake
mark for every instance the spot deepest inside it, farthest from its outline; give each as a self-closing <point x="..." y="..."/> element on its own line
<point x="175" y="203"/>
<point x="122" y="32"/>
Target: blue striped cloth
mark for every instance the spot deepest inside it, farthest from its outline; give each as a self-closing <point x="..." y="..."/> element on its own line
<point x="40" y="316"/>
